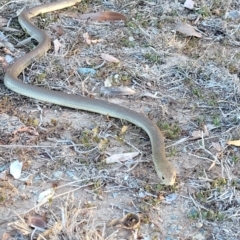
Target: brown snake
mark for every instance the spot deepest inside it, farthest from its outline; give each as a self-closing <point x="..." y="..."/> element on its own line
<point x="165" y="170"/>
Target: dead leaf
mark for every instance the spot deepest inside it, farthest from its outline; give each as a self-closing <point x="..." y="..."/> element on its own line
<point x="116" y="91"/>
<point x="189" y="4"/>
<point x="8" y="59"/>
<point x="188" y="30"/>
<point x="3" y="175"/>
<point x="45" y="195"/>
<point x="200" y="134"/>
<point x="100" y="16"/>
<point x="3" y="21"/>
<point x="148" y="94"/>
<point x="16" y="169"/>
<point x="107" y="83"/>
<point x="121" y="157"/>
<point x="109" y="58"/>
<point x="89" y="41"/>
<point x="57" y="46"/>
<point x="36" y="221"/>
<point x="217" y="146"/>
<point x="30" y="130"/>
<point x="3" y="62"/>
<point x="212" y="165"/>
<point x="124" y="130"/>
<point x="57" y="29"/>
<point x="234" y="143"/>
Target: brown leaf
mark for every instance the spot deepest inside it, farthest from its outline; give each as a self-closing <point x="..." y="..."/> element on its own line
<point x="188" y="30"/>
<point x="121" y="157"/>
<point x="217" y="146"/>
<point x="200" y="134"/>
<point x="30" y="130"/>
<point x="101" y="16"/>
<point x="234" y="143"/>
<point x="58" y="30"/>
<point x="116" y="91"/>
<point x="3" y="62"/>
<point x="109" y="58"/>
<point x="37" y="221"/>
<point x="3" y="21"/>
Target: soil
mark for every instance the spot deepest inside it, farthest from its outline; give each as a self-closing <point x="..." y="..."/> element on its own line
<point x="189" y="86"/>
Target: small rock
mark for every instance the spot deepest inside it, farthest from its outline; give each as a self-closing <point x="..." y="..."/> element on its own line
<point x="72" y="175"/>
<point x="199" y="225"/>
<point x="171" y="197"/>
<point x="131" y="39"/>
<point x="174" y="217"/>
<point x="16" y="169"/>
<point x="114" y="195"/>
<point x="142" y="195"/>
<point x="9" y="58"/>
<point x="21" y="188"/>
<point x="234" y="14"/>
<point x="100" y="197"/>
<point x="87" y="71"/>
<point x="149" y="84"/>
<point x="58" y="174"/>
<point x="199" y="236"/>
<point x="169" y="238"/>
<point x="126" y="178"/>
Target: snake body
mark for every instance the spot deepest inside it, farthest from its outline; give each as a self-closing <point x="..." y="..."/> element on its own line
<point x="164" y="168"/>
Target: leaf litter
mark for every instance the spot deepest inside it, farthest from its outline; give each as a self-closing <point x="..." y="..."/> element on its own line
<point x="200" y="91"/>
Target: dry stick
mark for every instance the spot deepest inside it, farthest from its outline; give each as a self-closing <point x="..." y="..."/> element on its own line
<point x="200" y="157"/>
<point x="75" y="148"/>
<point x="39" y="146"/>
<point x="11" y="2"/>
<point x="178" y="142"/>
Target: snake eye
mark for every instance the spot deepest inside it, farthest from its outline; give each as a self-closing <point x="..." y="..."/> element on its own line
<point x="163" y="177"/>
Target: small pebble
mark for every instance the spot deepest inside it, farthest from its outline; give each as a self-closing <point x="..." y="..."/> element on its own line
<point x="58" y="174"/>
<point x="131" y="39"/>
<point x="100" y="197"/>
<point x="9" y="58"/>
<point x="126" y="178"/>
<point x="199" y="236"/>
<point x="142" y="195"/>
<point x="86" y="71"/>
<point x="234" y="14"/>
<point x="199" y="225"/>
<point x="114" y="195"/>
<point x="169" y="238"/>
<point x="21" y="188"/>
<point x="171" y="197"/>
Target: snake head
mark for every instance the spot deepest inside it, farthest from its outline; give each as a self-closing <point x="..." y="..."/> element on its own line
<point x="167" y="174"/>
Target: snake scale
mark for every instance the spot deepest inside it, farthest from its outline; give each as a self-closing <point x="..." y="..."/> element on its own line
<point x="164" y="168"/>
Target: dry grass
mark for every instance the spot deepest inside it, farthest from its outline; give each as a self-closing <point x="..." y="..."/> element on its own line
<point x="196" y="82"/>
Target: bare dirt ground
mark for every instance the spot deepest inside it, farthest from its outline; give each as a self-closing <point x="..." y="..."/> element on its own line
<point x="190" y="86"/>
